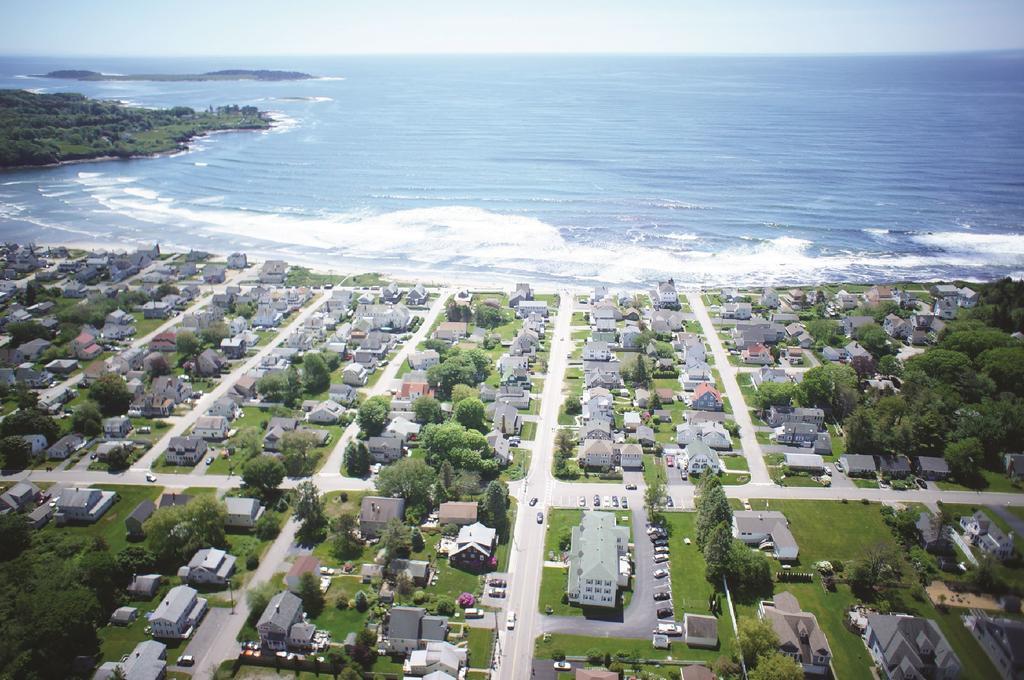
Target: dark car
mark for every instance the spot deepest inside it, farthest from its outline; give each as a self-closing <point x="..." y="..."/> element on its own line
<point x="660" y="595"/>
<point x="669" y="502"/>
<point x="533" y="501"/>
<point x="665" y="613"/>
<point x="540" y="518"/>
<point x="631" y="487"/>
<point x="497" y="582"/>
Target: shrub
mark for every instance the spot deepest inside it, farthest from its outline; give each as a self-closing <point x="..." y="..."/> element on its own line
<point x="445" y="606"/>
<point x="419" y="597"/>
<point x="558" y="655"/>
<point x="595" y="656"/>
<point x="466" y="600"/>
<point x="252" y="561"/>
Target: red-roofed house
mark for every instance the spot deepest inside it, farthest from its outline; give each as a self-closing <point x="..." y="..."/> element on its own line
<point x="706" y="398"/>
<point x="306" y="564"/>
<point x="756" y="354"/>
<point x="163" y="342"/>
<point x="84" y="347"/>
<point x="412" y="389"/>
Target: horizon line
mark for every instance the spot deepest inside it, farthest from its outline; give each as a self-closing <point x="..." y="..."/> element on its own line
<point x="539" y="53"/>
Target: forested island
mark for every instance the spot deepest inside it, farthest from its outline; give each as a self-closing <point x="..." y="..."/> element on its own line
<point x="226" y="74"/>
<point x="42" y="129"/>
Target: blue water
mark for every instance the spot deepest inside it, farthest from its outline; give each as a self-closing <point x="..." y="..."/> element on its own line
<point x="621" y="169"/>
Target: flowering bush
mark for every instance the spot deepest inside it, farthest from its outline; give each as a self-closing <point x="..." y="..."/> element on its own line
<point x="466" y="600"/>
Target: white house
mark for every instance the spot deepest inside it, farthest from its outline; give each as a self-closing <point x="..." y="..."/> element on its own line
<point x="208" y="566"/>
<point x="765" y="529"/>
<point x="243" y="512"/>
<point x="699" y="458"/>
<point x="178" y="613"/>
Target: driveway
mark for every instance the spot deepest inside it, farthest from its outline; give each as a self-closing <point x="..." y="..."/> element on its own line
<point x="203" y="639"/>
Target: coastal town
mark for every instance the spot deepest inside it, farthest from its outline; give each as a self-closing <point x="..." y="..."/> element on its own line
<point x="216" y="466"/>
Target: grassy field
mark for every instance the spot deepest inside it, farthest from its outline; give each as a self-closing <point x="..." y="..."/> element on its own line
<point x="691" y="591"/>
<point x="110" y="526"/>
<point x="580" y="645"/>
<point x="480" y="642"/>
<point x="848" y="650"/>
<point x="117" y="641"/>
<point x="992" y="481"/>
<point x="560" y="522"/>
<point x="823" y="529"/>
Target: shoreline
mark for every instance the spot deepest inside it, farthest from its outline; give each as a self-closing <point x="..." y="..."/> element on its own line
<point x="492" y="279"/>
<point x="142" y="156"/>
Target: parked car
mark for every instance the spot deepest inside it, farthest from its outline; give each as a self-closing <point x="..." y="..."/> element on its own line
<point x="839" y="465"/>
<point x="631" y="487"/>
<point x="625" y="503"/>
<point x="497" y="592"/>
<point x="583" y="501"/>
<point x="497" y="582"/>
<point x="660" y="573"/>
<point x="540" y="518"/>
<point x="150" y="477"/>
<point x="660" y="595"/>
<point x="607" y="500"/>
<point x="658" y="559"/>
<point x="510" y="621"/>
<point x="665" y="613"/>
<point x="597" y="501"/>
<point x="615" y="501"/>
<point x="209" y="461"/>
<point x="563" y="666"/>
<point x="669" y="502"/>
<point x="187" y="660"/>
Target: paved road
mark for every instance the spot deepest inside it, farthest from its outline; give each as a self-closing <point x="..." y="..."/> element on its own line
<point x="224" y="644"/>
<point x="748" y="438"/>
<point x="226" y="383"/>
<point x="516" y="647"/>
<point x="332" y="466"/>
<point x="527" y="556"/>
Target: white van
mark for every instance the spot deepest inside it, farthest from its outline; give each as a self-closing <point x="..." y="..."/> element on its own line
<point x="510" y="622"/>
<point x="474" y="613"/>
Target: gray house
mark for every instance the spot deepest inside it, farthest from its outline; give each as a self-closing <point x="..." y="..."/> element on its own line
<point x="375" y="511"/>
<point x="910" y="647"/>
<point x="411" y="628"/>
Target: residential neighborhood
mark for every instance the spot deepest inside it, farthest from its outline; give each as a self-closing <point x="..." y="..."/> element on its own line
<point x="416" y="480"/>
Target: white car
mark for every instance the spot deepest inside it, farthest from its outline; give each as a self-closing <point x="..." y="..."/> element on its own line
<point x="582" y="502"/>
<point x="660" y="573"/>
<point x="563" y="666"/>
<point x="510" y="621"/>
<point x="150" y="477"/>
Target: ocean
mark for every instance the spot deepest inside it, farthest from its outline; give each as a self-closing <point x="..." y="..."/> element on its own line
<point x="568" y="169"/>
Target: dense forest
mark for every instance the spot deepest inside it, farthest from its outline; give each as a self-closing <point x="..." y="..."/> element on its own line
<point x="40" y="129"/>
<point x="962" y="399"/>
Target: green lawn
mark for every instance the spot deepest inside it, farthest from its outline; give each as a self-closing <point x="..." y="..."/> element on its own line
<point x="529" y="431"/>
<point x="560" y="522"/>
<point x="823" y="529"/>
<point x="341" y="622"/>
<point x="111" y="525"/>
<point x="691" y="591"/>
<point x="848" y="651"/>
<point x="117" y="641"/>
<point x="993" y="481"/>
<point x="480" y="642"/>
<point x="579" y="645"/>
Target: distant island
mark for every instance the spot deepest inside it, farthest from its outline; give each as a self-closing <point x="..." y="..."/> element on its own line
<point x="227" y="74"/>
<point x="44" y="129"/>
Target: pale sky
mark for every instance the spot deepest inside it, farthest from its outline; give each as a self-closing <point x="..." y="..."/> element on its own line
<point x="311" y="27"/>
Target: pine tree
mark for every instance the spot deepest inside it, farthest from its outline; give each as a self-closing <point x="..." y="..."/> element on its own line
<point x="712" y="509"/>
